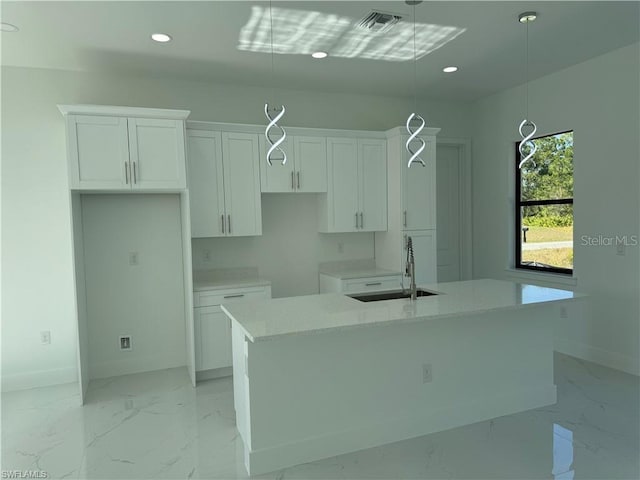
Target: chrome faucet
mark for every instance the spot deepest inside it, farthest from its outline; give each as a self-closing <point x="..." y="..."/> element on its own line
<point x="410" y="269"/>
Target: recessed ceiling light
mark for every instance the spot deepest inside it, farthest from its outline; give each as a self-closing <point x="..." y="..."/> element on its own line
<point x="161" y="37"/>
<point x="7" y="27"/>
<point x="450" y="69"/>
<point x="319" y="54"/>
<point x="527" y="17"/>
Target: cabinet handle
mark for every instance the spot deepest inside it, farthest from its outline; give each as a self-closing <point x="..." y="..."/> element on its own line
<point x="222" y="218"/>
<point x="357" y="220"/>
<point x="372" y="284"/>
<point x="135" y="176"/>
<point x="298" y="174"/>
<point x="361" y="220"/>
<point x="405" y="218"/>
<point x="126" y="173"/>
<point x="229" y="223"/>
<point x="239" y="295"/>
<point x="293" y="182"/>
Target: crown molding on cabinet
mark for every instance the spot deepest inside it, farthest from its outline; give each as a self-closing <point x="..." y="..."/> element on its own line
<point x="113" y="111"/>
<point x="300" y="131"/>
<point x="397" y="131"/>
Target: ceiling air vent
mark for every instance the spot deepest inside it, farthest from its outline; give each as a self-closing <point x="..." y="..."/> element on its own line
<point x="378" y="22"/>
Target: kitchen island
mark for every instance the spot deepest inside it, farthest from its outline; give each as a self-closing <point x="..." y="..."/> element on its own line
<point x="321" y="375"/>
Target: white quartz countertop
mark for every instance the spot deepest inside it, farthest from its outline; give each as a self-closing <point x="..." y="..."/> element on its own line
<point x="269" y="319"/>
<point x="221" y="279"/>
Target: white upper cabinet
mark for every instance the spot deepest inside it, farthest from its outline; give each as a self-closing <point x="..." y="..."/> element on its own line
<point x="419" y="188"/>
<point x="224" y="183"/>
<point x="357" y="183"/>
<point x="305" y="170"/>
<point x="156" y="152"/>
<point x="125" y="148"/>
<point x="277" y="178"/>
<point x="98" y="152"/>
<point x="310" y="154"/>
<point x="372" y="158"/>
<point x="206" y="186"/>
<point x="242" y="184"/>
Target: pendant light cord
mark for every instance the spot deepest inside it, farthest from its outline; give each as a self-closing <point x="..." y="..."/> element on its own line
<point x="415" y="64"/>
<point x="527" y="72"/>
<point x="273" y="71"/>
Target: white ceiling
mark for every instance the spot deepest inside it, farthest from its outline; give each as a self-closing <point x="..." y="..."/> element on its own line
<point x="114" y="37"/>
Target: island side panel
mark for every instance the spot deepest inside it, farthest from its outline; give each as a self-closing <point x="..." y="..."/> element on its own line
<point x="319" y="395"/>
<point x="240" y="383"/>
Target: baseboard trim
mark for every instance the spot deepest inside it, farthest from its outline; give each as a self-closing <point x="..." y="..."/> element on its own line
<point x="614" y="360"/>
<point x="391" y="430"/>
<point x="39" y="378"/>
<point x="214" y="373"/>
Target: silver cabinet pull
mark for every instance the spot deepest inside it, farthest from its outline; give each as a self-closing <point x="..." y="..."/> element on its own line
<point x="222" y="218"/>
<point x="357" y="220"/>
<point x="293" y="182"/>
<point x="372" y="284"/>
<point x="126" y="173"/>
<point x="405" y="218"/>
<point x="135" y="176"/>
<point x="361" y="220"/>
<point x="298" y="174"/>
<point x="229" y="223"/>
<point x="239" y="295"/>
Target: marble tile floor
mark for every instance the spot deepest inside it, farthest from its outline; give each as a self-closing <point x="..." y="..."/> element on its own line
<point x="155" y="425"/>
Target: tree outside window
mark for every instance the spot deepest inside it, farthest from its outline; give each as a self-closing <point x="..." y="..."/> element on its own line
<point x="544" y="206"/>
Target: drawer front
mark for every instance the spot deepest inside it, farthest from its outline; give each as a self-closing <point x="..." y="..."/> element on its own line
<point x="372" y="284"/>
<point x="208" y="298"/>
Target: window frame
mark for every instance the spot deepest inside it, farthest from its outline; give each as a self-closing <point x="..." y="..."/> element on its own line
<point x="519" y="203"/>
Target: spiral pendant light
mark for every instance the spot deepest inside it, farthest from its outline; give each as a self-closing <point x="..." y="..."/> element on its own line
<point x="274" y="145"/>
<point x="527" y="147"/>
<point x="414" y="133"/>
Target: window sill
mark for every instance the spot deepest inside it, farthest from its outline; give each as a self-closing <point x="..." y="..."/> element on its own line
<point x="543" y="277"/>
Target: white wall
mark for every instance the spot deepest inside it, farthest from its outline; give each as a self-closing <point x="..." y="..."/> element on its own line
<point x="599" y="101"/>
<point x="37" y="276"/>
<point x="145" y="301"/>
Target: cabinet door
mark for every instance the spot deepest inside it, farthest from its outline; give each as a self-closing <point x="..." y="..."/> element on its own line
<point x="342" y="192"/>
<point x="277" y="178"/>
<point x="99" y="152"/>
<point x="425" y="254"/>
<point x="419" y="189"/>
<point x="213" y="338"/>
<point x="156" y="150"/>
<point x="242" y="184"/>
<point x="372" y="155"/>
<point x="311" y="164"/>
<point x="206" y="187"/>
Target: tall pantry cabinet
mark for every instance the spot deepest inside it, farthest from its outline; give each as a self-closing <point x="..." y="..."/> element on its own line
<point x="131" y="240"/>
<point x="411" y="195"/>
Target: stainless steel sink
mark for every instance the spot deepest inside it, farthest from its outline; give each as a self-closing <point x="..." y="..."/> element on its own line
<point x="388" y="295"/>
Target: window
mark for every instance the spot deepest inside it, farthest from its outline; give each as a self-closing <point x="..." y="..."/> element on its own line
<point x="544" y="206"/>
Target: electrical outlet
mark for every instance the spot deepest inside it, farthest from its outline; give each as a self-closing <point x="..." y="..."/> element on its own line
<point x="45" y="337"/>
<point x="133" y="258"/>
<point x="340" y="247"/>
<point x="427" y="373"/>
<point x="125" y="342"/>
<point x="563" y="312"/>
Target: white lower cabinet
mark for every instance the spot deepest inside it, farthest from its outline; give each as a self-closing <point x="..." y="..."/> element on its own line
<point x="213" y="327"/>
<point x="212" y="330"/>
